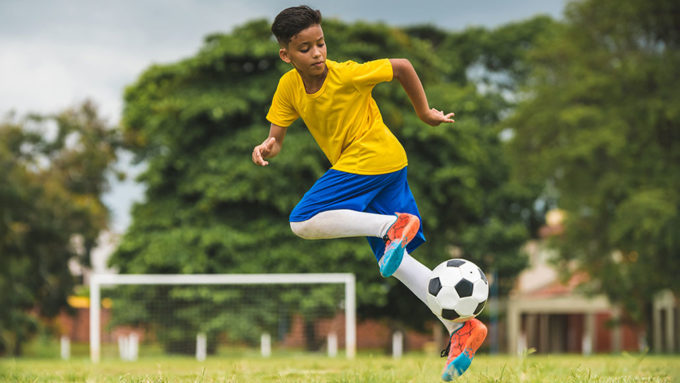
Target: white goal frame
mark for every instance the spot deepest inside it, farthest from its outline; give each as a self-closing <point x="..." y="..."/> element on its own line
<point x="99" y="280"/>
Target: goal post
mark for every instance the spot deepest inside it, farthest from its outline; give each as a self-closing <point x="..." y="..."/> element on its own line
<point x="97" y="281"/>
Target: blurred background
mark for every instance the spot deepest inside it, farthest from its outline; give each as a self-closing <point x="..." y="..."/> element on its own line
<point x="125" y="137"/>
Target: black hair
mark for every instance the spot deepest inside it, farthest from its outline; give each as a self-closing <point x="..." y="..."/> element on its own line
<point x="291" y="21"/>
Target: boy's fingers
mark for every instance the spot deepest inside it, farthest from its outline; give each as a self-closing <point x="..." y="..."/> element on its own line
<point x="257" y="157"/>
<point x="265" y="146"/>
<point x="447" y="117"/>
<point x="442" y="117"/>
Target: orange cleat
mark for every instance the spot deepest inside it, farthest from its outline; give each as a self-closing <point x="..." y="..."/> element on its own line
<point x="461" y="349"/>
<point x="402" y="231"/>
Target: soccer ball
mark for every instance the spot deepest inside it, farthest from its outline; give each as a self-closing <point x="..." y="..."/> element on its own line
<point x="457" y="290"/>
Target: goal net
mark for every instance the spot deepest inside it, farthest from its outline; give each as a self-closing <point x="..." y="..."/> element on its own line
<point x="221" y="314"/>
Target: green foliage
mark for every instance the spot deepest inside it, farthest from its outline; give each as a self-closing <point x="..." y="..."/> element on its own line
<point x="208" y="209"/>
<point x="50" y="212"/>
<point x="600" y="127"/>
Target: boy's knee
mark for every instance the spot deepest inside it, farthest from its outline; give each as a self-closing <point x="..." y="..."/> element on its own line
<point x="301" y="229"/>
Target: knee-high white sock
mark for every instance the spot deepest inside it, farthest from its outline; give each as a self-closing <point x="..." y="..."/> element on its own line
<point x="451" y="326"/>
<point x="416" y="277"/>
<point x="343" y="223"/>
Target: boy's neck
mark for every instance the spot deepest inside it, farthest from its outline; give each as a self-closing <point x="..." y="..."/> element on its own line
<point x="313" y="83"/>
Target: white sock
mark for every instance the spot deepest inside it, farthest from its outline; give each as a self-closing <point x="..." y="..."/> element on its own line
<point x="416" y="277"/>
<point x="451" y="325"/>
<point x="343" y="223"/>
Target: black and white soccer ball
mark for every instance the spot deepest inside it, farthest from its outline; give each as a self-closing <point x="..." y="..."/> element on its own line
<point x="457" y="290"/>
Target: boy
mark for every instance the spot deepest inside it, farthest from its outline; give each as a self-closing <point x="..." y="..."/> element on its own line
<point x="365" y="193"/>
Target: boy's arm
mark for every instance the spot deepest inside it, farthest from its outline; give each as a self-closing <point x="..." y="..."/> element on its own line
<point x="407" y="76"/>
<point x="270" y="147"/>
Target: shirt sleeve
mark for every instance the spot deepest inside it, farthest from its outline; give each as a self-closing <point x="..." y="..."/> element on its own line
<point x="371" y="73"/>
<point x="282" y="112"/>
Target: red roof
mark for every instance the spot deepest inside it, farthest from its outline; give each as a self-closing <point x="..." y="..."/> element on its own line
<point x="557" y="288"/>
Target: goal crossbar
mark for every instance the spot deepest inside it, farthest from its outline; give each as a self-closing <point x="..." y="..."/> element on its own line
<point x="99" y="280"/>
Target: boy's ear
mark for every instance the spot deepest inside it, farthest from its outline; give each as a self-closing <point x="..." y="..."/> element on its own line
<point x="283" y="53"/>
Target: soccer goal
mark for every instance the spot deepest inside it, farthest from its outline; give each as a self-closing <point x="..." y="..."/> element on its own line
<point x="212" y="314"/>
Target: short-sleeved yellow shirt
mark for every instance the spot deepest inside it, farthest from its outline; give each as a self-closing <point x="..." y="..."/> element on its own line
<point x="342" y="116"/>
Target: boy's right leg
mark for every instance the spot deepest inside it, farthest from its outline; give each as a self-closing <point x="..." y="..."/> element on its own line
<point x="342" y="223"/>
<point x="402" y="231"/>
<point x="396" y="230"/>
<point x="335" y="207"/>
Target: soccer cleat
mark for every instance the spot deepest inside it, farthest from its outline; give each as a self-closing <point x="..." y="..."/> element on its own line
<point x="462" y="346"/>
<point x="402" y="231"/>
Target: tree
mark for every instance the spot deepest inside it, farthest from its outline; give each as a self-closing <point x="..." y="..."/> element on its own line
<point x="50" y="212"/>
<point x="599" y="127"/>
<point x="208" y="209"/>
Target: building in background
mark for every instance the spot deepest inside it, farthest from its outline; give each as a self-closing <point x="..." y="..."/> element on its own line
<point x="553" y="316"/>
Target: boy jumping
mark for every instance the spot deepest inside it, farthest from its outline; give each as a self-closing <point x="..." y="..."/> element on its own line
<point x="365" y="193"/>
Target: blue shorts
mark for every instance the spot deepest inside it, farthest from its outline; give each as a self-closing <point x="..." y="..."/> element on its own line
<point x="379" y="194"/>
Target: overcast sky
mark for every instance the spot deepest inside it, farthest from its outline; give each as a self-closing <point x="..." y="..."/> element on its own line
<point x="54" y="54"/>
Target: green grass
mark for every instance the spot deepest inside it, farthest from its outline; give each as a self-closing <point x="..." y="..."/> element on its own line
<point x="365" y="368"/>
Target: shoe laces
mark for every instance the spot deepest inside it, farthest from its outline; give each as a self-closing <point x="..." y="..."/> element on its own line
<point x="445" y="352"/>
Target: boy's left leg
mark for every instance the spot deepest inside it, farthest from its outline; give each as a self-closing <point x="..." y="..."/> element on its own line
<point x="465" y="337"/>
<point x="463" y="344"/>
<point x="416" y="277"/>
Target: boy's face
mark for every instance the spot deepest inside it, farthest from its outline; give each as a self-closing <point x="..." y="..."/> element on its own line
<point x="307" y="51"/>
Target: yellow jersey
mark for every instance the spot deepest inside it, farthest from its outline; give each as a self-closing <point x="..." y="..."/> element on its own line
<point x="342" y="116"/>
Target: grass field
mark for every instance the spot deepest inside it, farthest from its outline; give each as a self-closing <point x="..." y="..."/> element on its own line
<point x="365" y="368"/>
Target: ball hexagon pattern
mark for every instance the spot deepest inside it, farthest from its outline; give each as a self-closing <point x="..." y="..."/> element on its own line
<point x="457" y="290"/>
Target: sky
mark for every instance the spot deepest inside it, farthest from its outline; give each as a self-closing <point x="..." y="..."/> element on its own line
<point x="55" y="54"/>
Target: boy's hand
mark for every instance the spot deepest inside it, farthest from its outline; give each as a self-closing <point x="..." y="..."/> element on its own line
<point x="434" y="117"/>
<point x="264" y="150"/>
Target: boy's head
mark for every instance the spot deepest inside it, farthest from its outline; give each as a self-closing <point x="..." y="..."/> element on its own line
<point x="301" y="40"/>
<point x="291" y="21"/>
